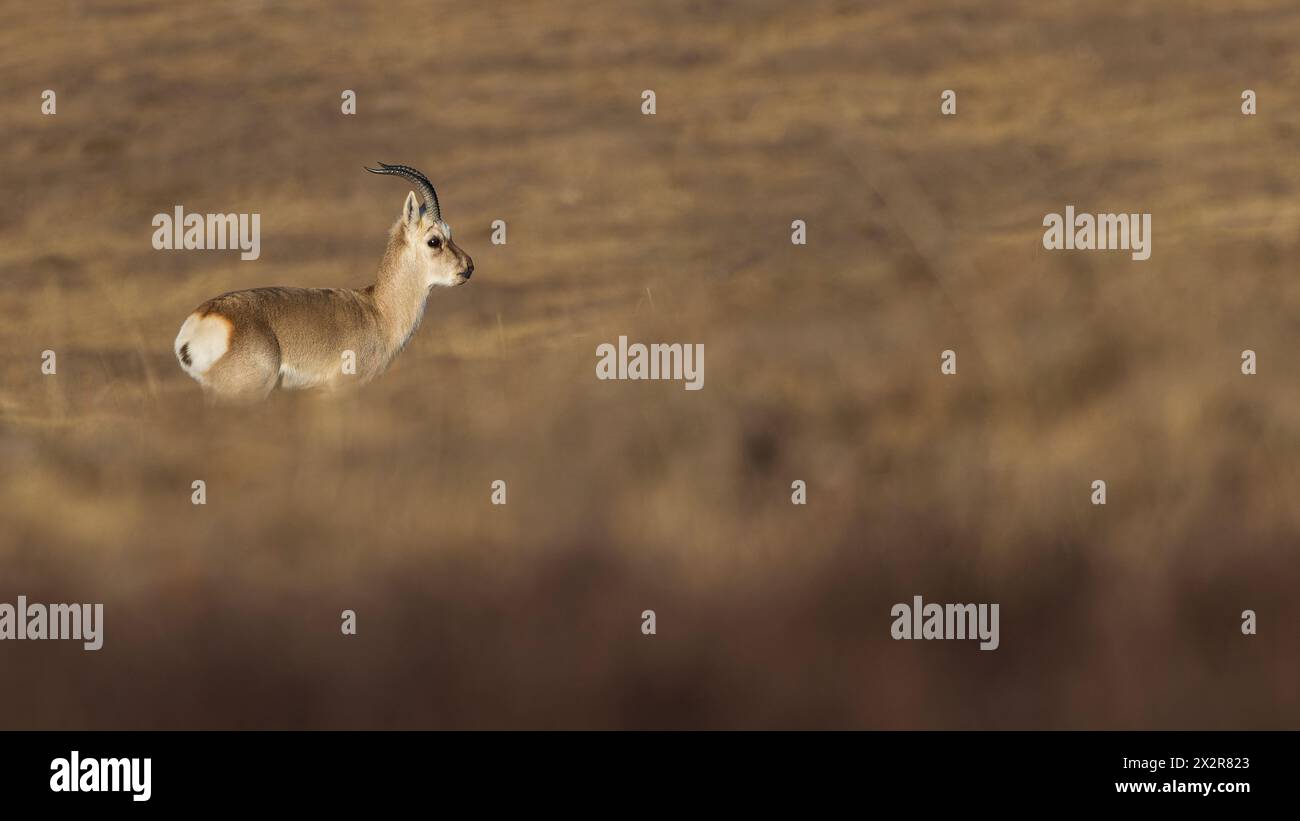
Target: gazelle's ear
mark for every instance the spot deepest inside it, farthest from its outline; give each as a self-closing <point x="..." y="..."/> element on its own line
<point x="411" y="210"/>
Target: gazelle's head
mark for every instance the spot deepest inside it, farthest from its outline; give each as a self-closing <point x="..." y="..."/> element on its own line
<point x="424" y="241"/>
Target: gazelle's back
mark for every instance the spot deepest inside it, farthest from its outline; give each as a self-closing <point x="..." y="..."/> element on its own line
<point x="310" y="324"/>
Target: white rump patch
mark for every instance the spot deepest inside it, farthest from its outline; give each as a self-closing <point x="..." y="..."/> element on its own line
<point x="202" y="340"/>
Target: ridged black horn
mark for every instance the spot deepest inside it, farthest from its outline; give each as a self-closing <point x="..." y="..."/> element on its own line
<point x="426" y="187"/>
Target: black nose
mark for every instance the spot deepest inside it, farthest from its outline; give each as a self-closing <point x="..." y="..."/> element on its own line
<point x="469" y="271"/>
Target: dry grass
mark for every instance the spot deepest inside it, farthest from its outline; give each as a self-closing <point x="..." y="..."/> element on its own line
<point x="822" y="364"/>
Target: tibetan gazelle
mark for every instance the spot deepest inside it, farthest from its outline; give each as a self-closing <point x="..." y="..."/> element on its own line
<point x="241" y="345"/>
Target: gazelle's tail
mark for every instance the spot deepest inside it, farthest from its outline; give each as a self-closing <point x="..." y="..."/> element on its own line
<point x="203" y="340"/>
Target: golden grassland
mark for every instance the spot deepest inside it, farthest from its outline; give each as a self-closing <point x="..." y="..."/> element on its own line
<point x="821" y="365"/>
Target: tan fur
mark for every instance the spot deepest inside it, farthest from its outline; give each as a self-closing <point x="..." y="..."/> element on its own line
<point x="295" y="337"/>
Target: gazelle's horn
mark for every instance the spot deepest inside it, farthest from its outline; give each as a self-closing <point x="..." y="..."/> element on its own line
<point x="426" y="187"/>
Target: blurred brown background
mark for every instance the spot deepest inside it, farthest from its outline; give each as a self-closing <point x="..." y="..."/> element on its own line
<point x="821" y="364"/>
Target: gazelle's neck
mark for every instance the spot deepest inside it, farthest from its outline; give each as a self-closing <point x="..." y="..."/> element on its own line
<point x="400" y="297"/>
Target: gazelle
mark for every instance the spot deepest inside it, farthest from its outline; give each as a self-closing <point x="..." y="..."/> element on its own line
<point x="241" y="345"/>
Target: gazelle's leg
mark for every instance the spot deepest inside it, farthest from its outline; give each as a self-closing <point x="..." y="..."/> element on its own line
<point x="248" y="371"/>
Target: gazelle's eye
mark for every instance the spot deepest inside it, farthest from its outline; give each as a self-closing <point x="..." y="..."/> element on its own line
<point x="435" y="243"/>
